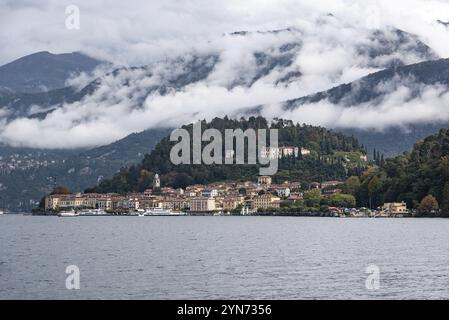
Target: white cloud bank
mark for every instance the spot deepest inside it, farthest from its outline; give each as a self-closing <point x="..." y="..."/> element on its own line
<point x="142" y="32"/>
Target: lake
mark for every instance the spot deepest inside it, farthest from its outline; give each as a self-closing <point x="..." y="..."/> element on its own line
<point x="223" y="257"/>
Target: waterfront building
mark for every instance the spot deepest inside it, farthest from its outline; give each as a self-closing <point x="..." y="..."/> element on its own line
<point x="52" y="201"/>
<point x="202" y="204"/>
<point x="131" y="203"/>
<point x="231" y="203"/>
<point x="395" y="207"/>
<point x="175" y="203"/>
<point x="266" y="201"/>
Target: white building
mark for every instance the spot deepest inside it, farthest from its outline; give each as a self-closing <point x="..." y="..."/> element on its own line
<point x="278" y="153"/>
<point x="283" y="192"/>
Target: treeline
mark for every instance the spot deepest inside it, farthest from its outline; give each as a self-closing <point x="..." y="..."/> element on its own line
<point x="420" y="178"/>
<point x="318" y="166"/>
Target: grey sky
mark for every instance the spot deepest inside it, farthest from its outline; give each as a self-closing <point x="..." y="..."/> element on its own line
<point x="137" y="31"/>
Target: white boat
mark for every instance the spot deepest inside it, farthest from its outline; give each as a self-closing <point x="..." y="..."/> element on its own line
<point x="71" y="213"/>
<point x="93" y="212"/>
<point x="178" y="213"/>
<point x="2" y="212"/>
<point x="157" y="212"/>
<point x="163" y="212"/>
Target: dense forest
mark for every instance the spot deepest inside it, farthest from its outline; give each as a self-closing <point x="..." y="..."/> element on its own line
<point x="333" y="156"/>
<point x="420" y="178"/>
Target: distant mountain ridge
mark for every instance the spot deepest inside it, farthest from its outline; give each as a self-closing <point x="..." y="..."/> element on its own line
<point x="43" y="71"/>
<point x="275" y="64"/>
<point x="360" y="91"/>
<point x="76" y="169"/>
<point x="393" y="140"/>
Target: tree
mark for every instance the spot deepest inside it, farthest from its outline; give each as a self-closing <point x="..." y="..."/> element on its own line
<point x="352" y="185"/>
<point x="374" y="187"/>
<point x="428" y="204"/>
<point x="61" y="190"/>
<point x="445" y="201"/>
<point x="342" y="200"/>
<point x="312" y="198"/>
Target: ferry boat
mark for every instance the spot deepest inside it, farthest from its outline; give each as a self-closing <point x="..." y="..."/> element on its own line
<point x="71" y="213"/>
<point x="92" y="212"/>
<point x="163" y="212"/>
<point x="157" y="212"/>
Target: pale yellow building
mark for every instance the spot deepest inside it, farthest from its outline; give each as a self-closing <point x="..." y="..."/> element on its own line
<point x="395" y="207"/>
<point x="266" y="201"/>
<point x="231" y="203"/>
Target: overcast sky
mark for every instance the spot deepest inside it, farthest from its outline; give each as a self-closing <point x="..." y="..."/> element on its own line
<point x="135" y="31"/>
<point x="139" y="32"/>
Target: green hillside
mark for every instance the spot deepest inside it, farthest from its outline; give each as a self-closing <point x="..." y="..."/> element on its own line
<point x="326" y="160"/>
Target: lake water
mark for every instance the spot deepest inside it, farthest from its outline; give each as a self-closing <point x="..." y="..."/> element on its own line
<point x="223" y="257"/>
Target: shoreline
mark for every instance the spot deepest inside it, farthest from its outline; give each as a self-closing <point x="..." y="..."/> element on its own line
<point x="262" y="214"/>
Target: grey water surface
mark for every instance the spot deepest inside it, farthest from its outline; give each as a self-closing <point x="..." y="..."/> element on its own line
<point x="223" y="257"/>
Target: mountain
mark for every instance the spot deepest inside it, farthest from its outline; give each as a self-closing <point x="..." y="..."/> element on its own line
<point x="106" y="89"/>
<point x="242" y="60"/>
<point x="373" y="89"/>
<point x="332" y="156"/>
<point x="237" y="63"/>
<point x="363" y="90"/>
<point x="43" y="71"/>
<point x="37" y="172"/>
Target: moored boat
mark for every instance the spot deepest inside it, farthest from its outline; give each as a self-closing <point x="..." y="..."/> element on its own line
<point x="92" y="212"/>
<point x="162" y="212"/>
<point x="70" y="213"/>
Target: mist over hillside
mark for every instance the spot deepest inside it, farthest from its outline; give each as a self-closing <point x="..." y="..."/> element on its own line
<point x="229" y="75"/>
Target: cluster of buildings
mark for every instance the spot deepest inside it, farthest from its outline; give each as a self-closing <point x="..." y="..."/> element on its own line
<point x="244" y="197"/>
<point x="14" y="162"/>
<point x="390" y="209"/>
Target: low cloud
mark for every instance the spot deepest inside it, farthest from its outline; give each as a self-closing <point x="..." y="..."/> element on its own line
<point x="320" y="51"/>
<point x="403" y="106"/>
